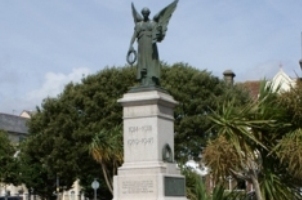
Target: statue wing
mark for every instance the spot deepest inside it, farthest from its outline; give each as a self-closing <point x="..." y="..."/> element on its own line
<point x="162" y="18"/>
<point x="136" y="16"/>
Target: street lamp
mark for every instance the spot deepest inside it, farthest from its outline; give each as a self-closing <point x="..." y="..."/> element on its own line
<point x="95" y="185"/>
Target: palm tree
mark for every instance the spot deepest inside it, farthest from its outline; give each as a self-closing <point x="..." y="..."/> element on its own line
<point x="107" y="149"/>
<point x="245" y="143"/>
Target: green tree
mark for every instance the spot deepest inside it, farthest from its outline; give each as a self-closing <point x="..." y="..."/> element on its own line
<point x="245" y="143"/>
<point x="289" y="149"/>
<point x="198" y="93"/>
<point x="107" y="149"/>
<point x="65" y="126"/>
<point x="34" y="173"/>
<point x="9" y="167"/>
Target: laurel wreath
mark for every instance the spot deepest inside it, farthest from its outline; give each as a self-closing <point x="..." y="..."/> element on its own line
<point x="167" y="154"/>
<point x="132" y="51"/>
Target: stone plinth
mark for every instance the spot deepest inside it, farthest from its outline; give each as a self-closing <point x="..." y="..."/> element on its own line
<point x="148" y="171"/>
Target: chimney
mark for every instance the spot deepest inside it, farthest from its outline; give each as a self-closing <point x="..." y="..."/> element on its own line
<point x="228" y="76"/>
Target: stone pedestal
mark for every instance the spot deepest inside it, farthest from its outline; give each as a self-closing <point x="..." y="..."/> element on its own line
<point x="148" y="171"/>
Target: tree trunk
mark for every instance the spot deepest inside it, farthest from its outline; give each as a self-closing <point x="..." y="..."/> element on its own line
<point x="107" y="180"/>
<point x="256" y="187"/>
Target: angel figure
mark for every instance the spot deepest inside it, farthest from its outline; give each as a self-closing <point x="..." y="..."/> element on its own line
<point x="147" y="33"/>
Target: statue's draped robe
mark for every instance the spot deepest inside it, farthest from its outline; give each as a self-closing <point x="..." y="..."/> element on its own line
<point x="148" y="58"/>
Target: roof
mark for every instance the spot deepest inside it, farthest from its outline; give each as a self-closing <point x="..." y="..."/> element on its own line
<point x="252" y="87"/>
<point x="13" y="123"/>
<point x="282" y="80"/>
<point x="27" y="113"/>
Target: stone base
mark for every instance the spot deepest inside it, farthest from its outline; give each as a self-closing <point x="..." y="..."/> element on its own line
<point x="148" y="172"/>
<point x="149" y="186"/>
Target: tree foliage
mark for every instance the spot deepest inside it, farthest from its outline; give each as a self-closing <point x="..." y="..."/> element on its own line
<point x="107" y="149"/>
<point x="8" y="165"/>
<point x="198" y="93"/>
<point x="289" y="149"/>
<point x="245" y="146"/>
<point x="64" y="126"/>
<point x="35" y="174"/>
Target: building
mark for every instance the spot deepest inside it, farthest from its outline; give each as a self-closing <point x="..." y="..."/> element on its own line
<point x="281" y="79"/>
<point x="16" y="128"/>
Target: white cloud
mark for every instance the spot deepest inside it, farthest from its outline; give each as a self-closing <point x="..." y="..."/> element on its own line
<point x="54" y="84"/>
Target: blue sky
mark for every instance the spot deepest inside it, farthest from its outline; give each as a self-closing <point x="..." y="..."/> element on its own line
<point x="46" y="44"/>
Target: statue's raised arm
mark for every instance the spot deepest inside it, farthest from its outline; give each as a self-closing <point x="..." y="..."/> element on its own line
<point x="147" y="33"/>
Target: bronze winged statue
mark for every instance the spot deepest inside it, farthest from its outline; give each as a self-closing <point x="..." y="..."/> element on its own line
<point x="147" y="33"/>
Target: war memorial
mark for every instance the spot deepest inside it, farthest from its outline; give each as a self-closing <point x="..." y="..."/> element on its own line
<point x="149" y="171"/>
